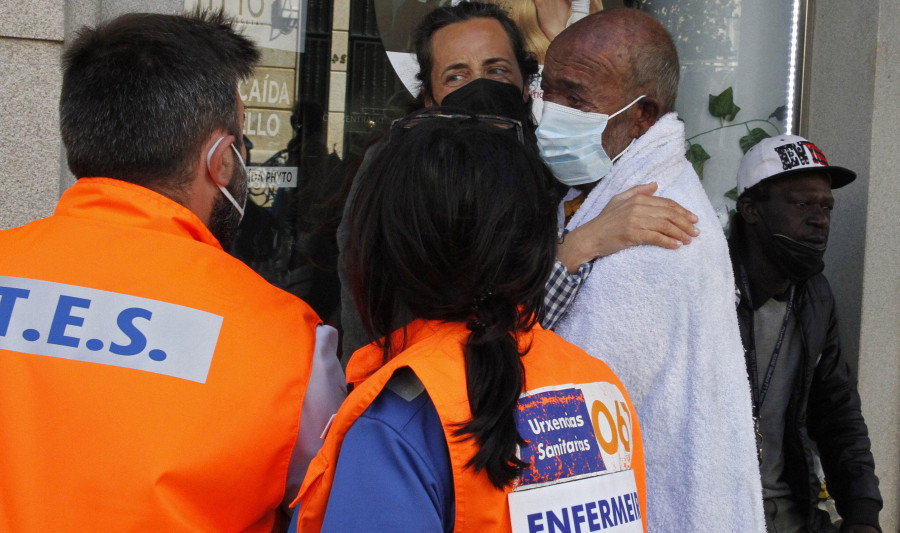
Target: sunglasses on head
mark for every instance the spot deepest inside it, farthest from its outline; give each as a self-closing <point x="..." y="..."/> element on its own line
<point x="502" y="123"/>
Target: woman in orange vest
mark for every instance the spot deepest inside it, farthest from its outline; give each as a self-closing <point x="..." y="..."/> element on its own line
<point x="466" y="415"/>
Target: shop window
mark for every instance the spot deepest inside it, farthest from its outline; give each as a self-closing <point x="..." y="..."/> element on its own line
<point x="741" y="65"/>
<point x="375" y="95"/>
<point x="334" y="73"/>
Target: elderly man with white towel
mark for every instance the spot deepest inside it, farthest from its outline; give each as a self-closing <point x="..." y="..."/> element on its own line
<point x="663" y="319"/>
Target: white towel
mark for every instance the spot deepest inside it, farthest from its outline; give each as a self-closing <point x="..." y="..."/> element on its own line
<point x="665" y="322"/>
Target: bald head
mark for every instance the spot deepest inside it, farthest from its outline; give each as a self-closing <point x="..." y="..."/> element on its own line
<point x="635" y="43"/>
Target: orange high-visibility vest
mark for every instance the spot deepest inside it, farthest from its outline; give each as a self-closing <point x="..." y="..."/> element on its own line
<point x="150" y="381"/>
<point x="552" y="365"/>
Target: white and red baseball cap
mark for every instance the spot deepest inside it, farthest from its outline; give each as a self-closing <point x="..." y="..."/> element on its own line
<point x="784" y="155"/>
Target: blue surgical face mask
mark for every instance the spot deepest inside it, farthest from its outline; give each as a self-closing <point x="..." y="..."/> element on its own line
<point x="228" y="196"/>
<point x="571" y="143"/>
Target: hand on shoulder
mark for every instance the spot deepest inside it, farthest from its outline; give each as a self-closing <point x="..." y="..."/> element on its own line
<point x="630" y="218"/>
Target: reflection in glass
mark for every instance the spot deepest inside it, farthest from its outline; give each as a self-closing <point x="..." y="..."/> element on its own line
<point x="735" y="57"/>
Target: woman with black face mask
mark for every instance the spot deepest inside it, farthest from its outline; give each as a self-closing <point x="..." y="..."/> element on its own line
<point x="490" y="97"/>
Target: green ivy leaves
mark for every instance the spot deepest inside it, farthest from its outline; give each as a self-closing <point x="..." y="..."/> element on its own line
<point x="697" y="156"/>
<point x="722" y="106"/>
<point x="732" y="194"/>
<point x="749" y="141"/>
<point x="779" y="113"/>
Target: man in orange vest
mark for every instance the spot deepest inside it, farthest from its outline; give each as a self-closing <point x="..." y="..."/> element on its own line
<point x="152" y="382"/>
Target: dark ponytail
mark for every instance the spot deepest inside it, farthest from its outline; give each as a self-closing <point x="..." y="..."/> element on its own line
<point x="456" y="221"/>
<point x="495" y="378"/>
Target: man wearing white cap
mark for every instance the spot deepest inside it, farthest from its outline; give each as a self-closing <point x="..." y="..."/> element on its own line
<point x="802" y="390"/>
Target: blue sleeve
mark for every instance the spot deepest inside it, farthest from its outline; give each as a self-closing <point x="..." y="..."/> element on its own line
<point x="393" y="472"/>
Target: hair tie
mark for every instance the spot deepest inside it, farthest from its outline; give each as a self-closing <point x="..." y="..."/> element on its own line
<point x="476" y="325"/>
<point x="483" y="296"/>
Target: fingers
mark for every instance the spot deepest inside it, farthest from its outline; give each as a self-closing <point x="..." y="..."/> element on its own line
<point x="683" y="213"/>
<point x="646" y="189"/>
<point x="658" y="214"/>
<point x="659" y="239"/>
<point x="684" y="222"/>
<point x="666" y="218"/>
<point x="670" y="234"/>
<point x="666" y="208"/>
<point x="642" y="195"/>
<point x="631" y="218"/>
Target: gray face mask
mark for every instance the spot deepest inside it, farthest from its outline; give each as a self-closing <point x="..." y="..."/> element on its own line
<point x="571" y="143"/>
<point x="240" y="207"/>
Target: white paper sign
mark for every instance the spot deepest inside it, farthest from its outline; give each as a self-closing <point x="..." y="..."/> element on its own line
<point x="272" y="177"/>
<point x="599" y="503"/>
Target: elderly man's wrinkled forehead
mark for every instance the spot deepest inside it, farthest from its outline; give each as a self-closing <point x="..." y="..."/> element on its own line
<point x="617" y="47"/>
<point x="613" y="31"/>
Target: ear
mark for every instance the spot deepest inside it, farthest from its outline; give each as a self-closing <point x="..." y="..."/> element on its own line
<point x="221" y="160"/>
<point x="644" y="114"/>
<point x="429" y="101"/>
<point x="748" y="211"/>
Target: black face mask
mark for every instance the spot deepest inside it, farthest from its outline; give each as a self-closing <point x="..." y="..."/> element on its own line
<point x="795" y="260"/>
<point x="490" y="97"/>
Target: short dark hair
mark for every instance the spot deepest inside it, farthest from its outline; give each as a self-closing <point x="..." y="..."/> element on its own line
<point x="463" y="11"/>
<point x="142" y="92"/>
<point x="456" y="221"/>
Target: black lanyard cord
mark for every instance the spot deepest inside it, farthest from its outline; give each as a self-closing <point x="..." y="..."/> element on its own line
<point x="759" y="394"/>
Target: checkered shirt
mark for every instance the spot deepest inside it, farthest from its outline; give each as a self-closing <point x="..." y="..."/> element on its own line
<point x="560" y="291"/>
